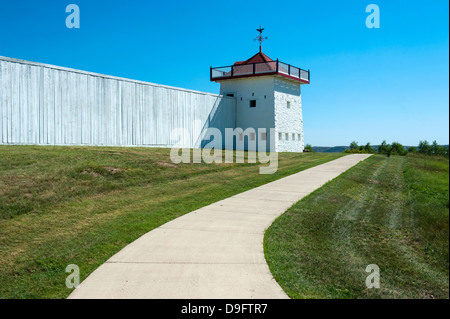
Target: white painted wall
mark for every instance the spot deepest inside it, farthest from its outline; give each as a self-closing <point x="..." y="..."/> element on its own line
<point x="49" y="105"/>
<point x="288" y="120"/>
<point x="261" y="89"/>
<point x="271" y="94"/>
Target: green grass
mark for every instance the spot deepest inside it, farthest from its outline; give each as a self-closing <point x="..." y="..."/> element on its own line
<point x="392" y="212"/>
<point x="80" y="205"/>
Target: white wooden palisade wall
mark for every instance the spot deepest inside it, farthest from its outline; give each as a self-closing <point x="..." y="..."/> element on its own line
<point x="49" y="105"/>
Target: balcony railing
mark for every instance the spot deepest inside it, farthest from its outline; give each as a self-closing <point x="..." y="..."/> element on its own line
<point x="261" y="68"/>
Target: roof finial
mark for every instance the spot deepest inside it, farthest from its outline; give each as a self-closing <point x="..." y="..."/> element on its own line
<point x="260" y="38"/>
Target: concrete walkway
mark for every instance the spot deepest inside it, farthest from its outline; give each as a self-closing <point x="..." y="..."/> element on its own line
<point x="213" y="252"/>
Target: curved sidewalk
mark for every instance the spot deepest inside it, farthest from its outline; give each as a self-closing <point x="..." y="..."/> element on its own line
<point x="213" y="252"/>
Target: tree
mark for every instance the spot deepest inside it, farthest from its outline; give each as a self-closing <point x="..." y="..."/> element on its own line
<point x="433" y="149"/>
<point x="384" y="148"/>
<point x="437" y="149"/>
<point x="308" y="148"/>
<point x="368" y="148"/>
<point x="354" y="145"/>
<point x="412" y="149"/>
<point x="397" y="149"/>
<point x="424" y="147"/>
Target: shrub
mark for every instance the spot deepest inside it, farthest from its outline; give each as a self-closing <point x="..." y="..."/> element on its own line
<point x="308" y="148"/>
<point x="424" y="147"/>
<point x="369" y="148"/>
<point x="434" y="149"/>
<point x="397" y="149"/>
<point x="353" y="145"/>
<point x="412" y="149"/>
<point x="438" y="149"/>
<point x="384" y="148"/>
<point x="355" y="149"/>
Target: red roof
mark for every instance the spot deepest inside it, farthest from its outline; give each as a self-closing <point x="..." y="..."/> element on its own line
<point x="264" y="64"/>
<point x="257" y="58"/>
<point x="258" y="65"/>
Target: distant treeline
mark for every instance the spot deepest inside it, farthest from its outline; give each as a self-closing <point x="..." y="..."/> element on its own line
<point x="398" y="149"/>
<point x="395" y="148"/>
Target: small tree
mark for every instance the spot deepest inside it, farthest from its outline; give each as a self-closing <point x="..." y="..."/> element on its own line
<point x="436" y="149"/>
<point x="308" y="148"/>
<point x="384" y="148"/>
<point x="424" y="147"/>
<point x="354" y="145"/>
<point x="398" y="149"/>
<point x="368" y="148"/>
<point x="433" y="149"/>
<point x="412" y="149"/>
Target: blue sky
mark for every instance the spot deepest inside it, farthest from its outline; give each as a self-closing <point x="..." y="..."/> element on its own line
<point x="366" y="84"/>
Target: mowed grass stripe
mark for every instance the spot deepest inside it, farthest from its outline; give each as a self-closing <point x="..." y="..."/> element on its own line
<point x="392" y="212"/>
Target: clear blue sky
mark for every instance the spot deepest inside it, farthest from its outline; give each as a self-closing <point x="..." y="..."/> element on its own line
<point x="366" y="84"/>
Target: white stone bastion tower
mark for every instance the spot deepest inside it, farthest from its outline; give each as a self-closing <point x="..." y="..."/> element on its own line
<point x="268" y="95"/>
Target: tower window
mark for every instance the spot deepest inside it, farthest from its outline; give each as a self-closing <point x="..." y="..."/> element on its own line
<point x="287" y="136"/>
<point x="288" y="104"/>
<point x="252" y="103"/>
<point x="298" y="136"/>
<point x="293" y="136"/>
<point x="263" y="136"/>
<point x="230" y="94"/>
<point x="280" y="136"/>
<point x="253" y="94"/>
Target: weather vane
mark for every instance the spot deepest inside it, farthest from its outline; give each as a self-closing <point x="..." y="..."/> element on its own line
<point x="260" y="38"/>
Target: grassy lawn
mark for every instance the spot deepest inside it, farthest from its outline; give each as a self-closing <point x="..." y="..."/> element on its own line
<point x="80" y="205"/>
<point x="392" y="212"/>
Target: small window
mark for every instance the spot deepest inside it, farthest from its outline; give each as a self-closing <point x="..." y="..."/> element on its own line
<point x="253" y="94"/>
<point x="280" y="136"/>
<point x="293" y="136"/>
<point x="230" y="95"/>
<point x="288" y="104"/>
<point x="264" y="96"/>
<point x="252" y="136"/>
<point x="287" y="136"/>
<point x="252" y="103"/>
<point x="298" y="135"/>
<point x="263" y="136"/>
